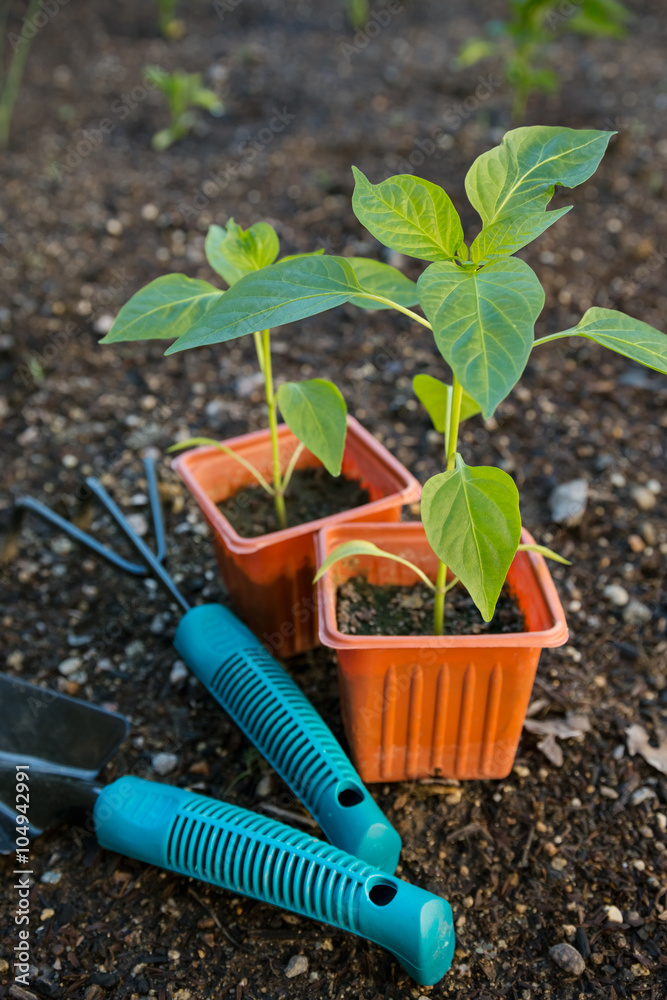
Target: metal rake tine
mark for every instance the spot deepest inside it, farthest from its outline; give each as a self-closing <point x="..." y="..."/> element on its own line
<point x="156" y="509"/>
<point x="28" y="503"/>
<point x="153" y="564"/>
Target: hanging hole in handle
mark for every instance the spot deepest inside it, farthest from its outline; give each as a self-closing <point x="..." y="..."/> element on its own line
<point x="381" y="893"/>
<point x="350" y="795"/>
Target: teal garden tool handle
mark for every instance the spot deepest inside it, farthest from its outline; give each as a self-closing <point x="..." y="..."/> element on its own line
<point x="258" y="857"/>
<point x="277" y="717"/>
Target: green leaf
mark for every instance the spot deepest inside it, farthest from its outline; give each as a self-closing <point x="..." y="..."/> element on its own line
<point x="623" y="334"/>
<point x="409" y="215"/>
<point x="483" y="323"/>
<point x="165" y="308"/>
<point x="472" y="521"/>
<point x="280" y="293"/>
<point x="234" y="251"/>
<point x="381" y="279"/>
<point x="316" y="414"/>
<point x="546" y="552"/>
<point x="436" y="397"/>
<point x="209" y="100"/>
<point x="520" y="175"/>
<point x="358" y="547"/>
<point x="512" y="233"/>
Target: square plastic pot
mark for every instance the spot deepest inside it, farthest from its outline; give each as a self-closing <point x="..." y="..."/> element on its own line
<point x="269" y="578"/>
<point x="450" y="706"/>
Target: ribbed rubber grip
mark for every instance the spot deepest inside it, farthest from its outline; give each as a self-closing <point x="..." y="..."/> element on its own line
<point x="275" y="715"/>
<point x="258" y="857"/>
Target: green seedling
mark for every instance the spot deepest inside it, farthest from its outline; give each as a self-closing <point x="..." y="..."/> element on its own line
<point x="172" y="27"/>
<point x="480" y="301"/>
<point x="358" y="12"/>
<point x="173" y="305"/>
<point x="11" y="70"/>
<point x="184" y="93"/>
<point x="521" y="42"/>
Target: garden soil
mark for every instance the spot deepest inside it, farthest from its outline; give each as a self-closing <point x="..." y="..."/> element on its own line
<point x="89" y="214"/>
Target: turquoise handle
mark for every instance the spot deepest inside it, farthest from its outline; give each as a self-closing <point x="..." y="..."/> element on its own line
<point x="277" y="717"/>
<point x="255" y="856"/>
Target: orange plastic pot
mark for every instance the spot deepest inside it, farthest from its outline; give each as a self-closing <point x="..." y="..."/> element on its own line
<point x="270" y="578"/>
<point x="450" y="706"/>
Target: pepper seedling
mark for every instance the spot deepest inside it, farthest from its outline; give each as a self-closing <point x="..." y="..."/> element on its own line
<point x="184" y="92"/>
<point x="170" y="306"/>
<point x="481" y="302"/>
<point x="523" y="40"/>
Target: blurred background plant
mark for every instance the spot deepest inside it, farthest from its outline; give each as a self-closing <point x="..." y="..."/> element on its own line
<point x="184" y="93"/>
<point x="172" y="27"/>
<point x="11" y="68"/>
<point x="521" y="42"/>
<point x="358" y="12"/>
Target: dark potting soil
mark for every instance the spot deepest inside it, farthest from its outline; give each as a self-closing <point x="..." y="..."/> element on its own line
<point x="365" y="608"/>
<point x="312" y="494"/>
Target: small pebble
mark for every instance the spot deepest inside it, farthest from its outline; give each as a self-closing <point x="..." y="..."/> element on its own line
<point x="297" y="965"/>
<point x="661" y="820"/>
<point x="51" y="878"/>
<point x="643" y="497"/>
<point x="648" y="531"/>
<point x="617" y="479"/>
<point x="70" y="666"/>
<point x="636" y="613"/>
<point x="179" y="672"/>
<point x="567" y="502"/>
<point x="608" y="793"/>
<point x="164" y="763"/>
<point x="70" y="461"/>
<point x="654" y="486"/>
<point x="263" y="787"/>
<point x="641" y="795"/>
<point x="614" y="915"/>
<point x="46" y="913"/>
<point x="616" y="594"/>
<point x="103" y="323"/>
<point x="568" y="958"/>
<point x="138" y="523"/>
<point x="15" y="660"/>
<point x="4" y="965"/>
<point x="636" y="543"/>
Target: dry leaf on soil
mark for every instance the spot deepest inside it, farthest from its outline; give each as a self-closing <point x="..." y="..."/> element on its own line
<point x="638" y="742"/>
<point x="573" y="726"/>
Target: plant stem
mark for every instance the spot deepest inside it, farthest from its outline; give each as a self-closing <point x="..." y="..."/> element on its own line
<point x="211" y="442"/>
<point x="450" y="454"/>
<point x="406" y="312"/>
<point x="10" y="88"/>
<point x="273" y="426"/>
<point x="439" y="605"/>
<point x="292" y="465"/>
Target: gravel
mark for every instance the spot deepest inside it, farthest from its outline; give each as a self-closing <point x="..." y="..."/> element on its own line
<point x="297" y="965"/>
<point x="567" y="502"/>
<point x="568" y="958"/>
